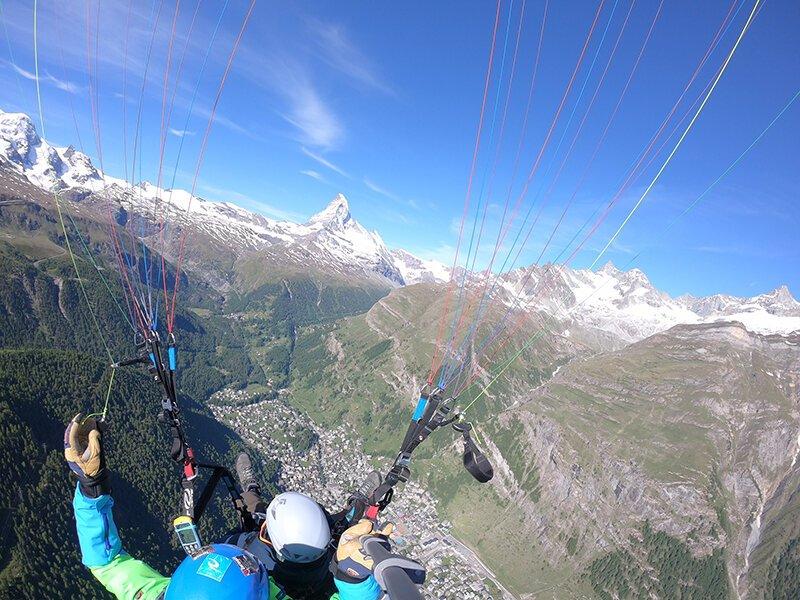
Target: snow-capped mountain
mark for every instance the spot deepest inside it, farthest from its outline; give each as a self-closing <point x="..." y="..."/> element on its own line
<point x="331" y="237"/>
<point x="418" y="270"/>
<point x="343" y="240"/>
<point x="775" y="312"/>
<point x="779" y="302"/>
<point x="44" y="165"/>
<point x="623" y="304"/>
<point x="628" y="306"/>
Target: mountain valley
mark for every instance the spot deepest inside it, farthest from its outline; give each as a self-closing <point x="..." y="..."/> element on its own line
<point x="644" y="446"/>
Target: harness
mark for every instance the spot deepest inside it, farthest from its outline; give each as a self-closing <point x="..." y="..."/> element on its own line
<point x="433" y="411"/>
<point x="161" y="363"/>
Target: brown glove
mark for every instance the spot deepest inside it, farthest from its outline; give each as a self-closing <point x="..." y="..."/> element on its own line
<point x="352" y="563"/>
<point x="83" y="449"/>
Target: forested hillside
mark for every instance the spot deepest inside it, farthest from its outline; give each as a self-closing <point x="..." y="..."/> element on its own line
<point x="53" y="365"/>
<point x="40" y="390"/>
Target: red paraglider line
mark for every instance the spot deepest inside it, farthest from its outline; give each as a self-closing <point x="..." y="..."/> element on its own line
<point x="450" y="290"/>
<point x="518" y="155"/>
<point x="630" y="178"/>
<point x="577" y="134"/>
<point x="471" y="266"/>
<point x="165" y="213"/>
<point x="94" y="102"/>
<point x="548" y="137"/>
<point x="234" y="49"/>
<point x="603" y="136"/>
<point x="553" y="124"/>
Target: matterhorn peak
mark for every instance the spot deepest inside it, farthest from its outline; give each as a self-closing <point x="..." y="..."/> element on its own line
<point x="336" y="214"/>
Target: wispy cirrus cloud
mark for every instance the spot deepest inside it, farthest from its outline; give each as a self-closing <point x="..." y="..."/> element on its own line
<point x="334" y="47"/>
<point x="313" y="174"/>
<point x="297" y="99"/>
<point x="398" y="217"/>
<point x="63" y="85"/>
<point x="379" y="190"/>
<point x="324" y="162"/>
<point x="617" y="246"/>
<point x="220" y="119"/>
<point x="391" y="195"/>
<point x="181" y="132"/>
<point x="291" y="76"/>
<point x="442" y="253"/>
<point x="748" y="251"/>
<point x="455" y="226"/>
<point x="310" y="114"/>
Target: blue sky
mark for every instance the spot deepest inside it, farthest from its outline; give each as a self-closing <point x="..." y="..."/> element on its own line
<point x="381" y="101"/>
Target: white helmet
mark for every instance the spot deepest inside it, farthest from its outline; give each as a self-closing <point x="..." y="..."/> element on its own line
<point x="297" y="527"/>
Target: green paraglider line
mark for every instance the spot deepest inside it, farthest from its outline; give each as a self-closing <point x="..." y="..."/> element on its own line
<point x="707" y="94"/>
<point x="678" y="144"/>
<point x="483" y="391"/>
<point x="664" y="231"/>
<point x="730" y="168"/>
<point x="127" y="316"/>
<point x="60" y="214"/>
<point x="103" y="413"/>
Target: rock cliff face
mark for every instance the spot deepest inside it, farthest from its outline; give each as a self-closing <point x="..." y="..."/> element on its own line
<point x="694" y="431"/>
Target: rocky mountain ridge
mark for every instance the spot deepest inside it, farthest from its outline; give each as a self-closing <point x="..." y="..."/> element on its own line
<point x="630" y="308"/>
<point x="623" y="307"/>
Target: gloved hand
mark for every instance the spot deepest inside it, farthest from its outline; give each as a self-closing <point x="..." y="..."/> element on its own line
<point x="83" y="449"/>
<point x="352" y="563"/>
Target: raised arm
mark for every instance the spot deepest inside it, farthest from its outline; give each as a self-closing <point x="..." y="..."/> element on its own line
<point x="101" y="547"/>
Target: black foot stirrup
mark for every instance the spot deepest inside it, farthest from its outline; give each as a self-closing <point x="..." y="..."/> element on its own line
<point x="474" y="460"/>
